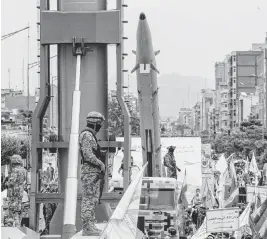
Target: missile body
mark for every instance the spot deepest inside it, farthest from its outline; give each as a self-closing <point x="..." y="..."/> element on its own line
<point x="147" y="87"/>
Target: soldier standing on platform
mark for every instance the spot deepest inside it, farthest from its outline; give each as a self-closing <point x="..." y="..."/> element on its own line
<point x="91" y="170"/>
<point x="170" y="163"/>
<point x="16" y="183"/>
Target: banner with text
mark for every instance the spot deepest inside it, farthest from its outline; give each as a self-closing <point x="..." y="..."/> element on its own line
<point x="223" y="220"/>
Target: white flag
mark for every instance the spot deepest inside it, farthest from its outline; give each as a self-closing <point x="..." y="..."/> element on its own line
<point x="244" y="221"/>
<point x="123" y="222"/>
<point x="221" y="188"/>
<point x="253" y="166"/>
<point x="221" y="165"/>
<point x="201" y="233"/>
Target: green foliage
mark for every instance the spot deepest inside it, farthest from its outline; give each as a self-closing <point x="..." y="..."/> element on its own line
<point x="11" y="145"/>
<point x="116" y="120"/>
<point x="243" y="142"/>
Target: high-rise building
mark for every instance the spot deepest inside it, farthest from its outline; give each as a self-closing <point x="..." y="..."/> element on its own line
<point x="221" y="107"/>
<point x="196" y="118"/>
<point x="186" y="117"/>
<point x="261" y="87"/>
<point x="219" y="73"/>
<point x="207" y="100"/>
<point x="247" y="105"/>
<point x="241" y="78"/>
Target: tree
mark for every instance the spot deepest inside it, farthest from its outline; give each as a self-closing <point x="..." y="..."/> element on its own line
<point x="243" y="142"/>
<point x="116" y="119"/>
<point x="9" y="146"/>
<point x="12" y="145"/>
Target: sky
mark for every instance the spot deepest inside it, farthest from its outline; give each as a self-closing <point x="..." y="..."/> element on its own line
<point x="191" y="34"/>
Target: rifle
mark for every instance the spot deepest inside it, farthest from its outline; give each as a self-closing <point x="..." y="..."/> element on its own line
<point x="101" y="176"/>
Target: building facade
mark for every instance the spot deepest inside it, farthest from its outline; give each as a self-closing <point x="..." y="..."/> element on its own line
<point x="186" y="117"/>
<point x="219" y="73"/>
<point x="242" y="67"/>
<point x="207" y="100"/>
<point x="261" y="83"/>
<point x="20" y="102"/>
<point x="247" y="105"/>
<point x="196" y="118"/>
<point x="9" y="93"/>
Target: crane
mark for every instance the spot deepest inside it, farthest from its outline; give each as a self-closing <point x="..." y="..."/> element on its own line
<point x="13" y="33"/>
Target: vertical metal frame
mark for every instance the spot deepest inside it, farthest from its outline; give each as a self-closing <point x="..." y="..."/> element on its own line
<point x="120" y="97"/>
<point x="37" y="124"/>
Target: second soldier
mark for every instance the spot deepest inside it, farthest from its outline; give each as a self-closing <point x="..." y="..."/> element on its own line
<point x="170" y="163"/>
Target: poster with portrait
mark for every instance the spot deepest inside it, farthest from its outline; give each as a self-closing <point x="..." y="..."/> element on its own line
<point x="206" y="166"/>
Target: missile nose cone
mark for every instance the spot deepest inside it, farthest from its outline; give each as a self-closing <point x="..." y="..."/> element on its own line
<point x="142" y="16"/>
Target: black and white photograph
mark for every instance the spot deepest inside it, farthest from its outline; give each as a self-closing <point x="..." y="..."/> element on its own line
<point x="133" y="119"/>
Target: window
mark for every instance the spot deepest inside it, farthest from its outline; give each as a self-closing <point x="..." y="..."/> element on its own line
<point x="234" y="58"/>
<point x="225" y="123"/>
<point x="157" y="199"/>
<point x="225" y="105"/>
<point x="234" y="69"/>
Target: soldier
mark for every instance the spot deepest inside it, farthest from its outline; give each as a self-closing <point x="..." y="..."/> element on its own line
<point x="8" y="222"/>
<point x="91" y="169"/>
<point x="196" y="203"/>
<point x="172" y="233"/>
<point x="16" y="184"/>
<point x="49" y="208"/>
<point x="170" y="163"/>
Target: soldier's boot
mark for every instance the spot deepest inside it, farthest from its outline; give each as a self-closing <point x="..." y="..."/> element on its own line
<point x="92" y="230"/>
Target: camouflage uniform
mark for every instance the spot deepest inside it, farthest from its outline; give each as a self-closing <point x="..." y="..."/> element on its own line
<point x="15" y="189"/>
<point x="25" y="208"/>
<point x="49" y="208"/>
<point x="91" y="168"/>
<point x="170" y="163"/>
<point x="8" y="222"/>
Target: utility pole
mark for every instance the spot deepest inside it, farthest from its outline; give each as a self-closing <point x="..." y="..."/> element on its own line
<point x="28" y="91"/>
<point x="23" y="76"/>
<point x="9" y="82"/>
<point x="188" y="92"/>
<point x="28" y="75"/>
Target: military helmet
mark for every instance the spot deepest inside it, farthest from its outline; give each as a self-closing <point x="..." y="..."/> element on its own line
<point x="172" y="231"/>
<point x="171" y="147"/>
<point x="95" y="117"/>
<point x="16" y="159"/>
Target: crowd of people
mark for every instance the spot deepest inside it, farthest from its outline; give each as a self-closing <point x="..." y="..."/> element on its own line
<point x="15" y="190"/>
<point x="15" y="206"/>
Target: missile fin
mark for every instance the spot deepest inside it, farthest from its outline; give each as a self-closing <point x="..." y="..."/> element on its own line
<point x="134" y="52"/>
<point x="154" y="68"/>
<point x="157" y="52"/>
<point x="135" y="68"/>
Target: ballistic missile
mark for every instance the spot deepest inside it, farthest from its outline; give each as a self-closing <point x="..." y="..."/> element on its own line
<point x="147" y="87"/>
